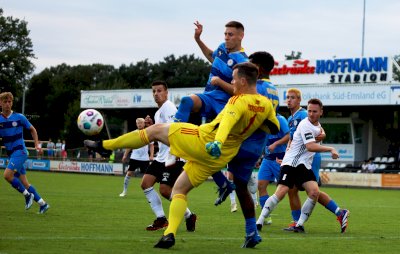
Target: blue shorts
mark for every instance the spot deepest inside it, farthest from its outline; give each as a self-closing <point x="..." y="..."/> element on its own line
<point x="316" y="165"/>
<point x="213" y="102"/>
<point x="17" y="163"/>
<point x="243" y="163"/>
<point x="269" y="170"/>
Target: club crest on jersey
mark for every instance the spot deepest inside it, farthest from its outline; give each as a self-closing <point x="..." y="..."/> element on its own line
<point x="230" y="62"/>
<point x="14" y="124"/>
<point x="308" y="136"/>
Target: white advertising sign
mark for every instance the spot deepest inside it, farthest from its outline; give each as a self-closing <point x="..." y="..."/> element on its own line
<point x="333" y="71"/>
<point x="344" y="95"/>
<point x="87" y="167"/>
<point x="131" y="98"/>
<point x="351" y="179"/>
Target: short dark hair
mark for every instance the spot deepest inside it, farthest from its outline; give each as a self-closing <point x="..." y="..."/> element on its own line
<point x="235" y="24"/>
<point x="247" y="70"/>
<point x="263" y="59"/>
<point x="160" y="82"/>
<point x="315" y="101"/>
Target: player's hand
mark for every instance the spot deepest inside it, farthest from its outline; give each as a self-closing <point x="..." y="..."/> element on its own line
<point x="321" y="136"/>
<point x="214" y="149"/>
<point x="335" y="154"/>
<point x="198" y="30"/>
<point x="215" y="81"/>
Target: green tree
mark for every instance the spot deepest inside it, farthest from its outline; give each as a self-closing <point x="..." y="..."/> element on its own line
<point x="15" y="54"/>
<point x="185" y="71"/>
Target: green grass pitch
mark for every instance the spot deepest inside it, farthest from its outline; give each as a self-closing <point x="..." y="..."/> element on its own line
<point x="88" y="216"/>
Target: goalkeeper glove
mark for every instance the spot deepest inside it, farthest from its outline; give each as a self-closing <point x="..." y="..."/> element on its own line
<point x="214" y="149"/>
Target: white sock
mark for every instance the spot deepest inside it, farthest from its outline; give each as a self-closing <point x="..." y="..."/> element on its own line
<point x="126" y="183"/>
<point x="254" y="197"/>
<point x="232" y="196"/>
<point x="306" y="211"/>
<point x="25" y="193"/>
<point x="187" y="213"/>
<point x="269" y="205"/>
<point x="41" y="202"/>
<point x="155" y="202"/>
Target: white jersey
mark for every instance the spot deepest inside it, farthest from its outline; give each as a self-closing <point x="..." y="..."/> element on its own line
<point x="165" y="114"/>
<point x="140" y="154"/>
<point x="297" y="153"/>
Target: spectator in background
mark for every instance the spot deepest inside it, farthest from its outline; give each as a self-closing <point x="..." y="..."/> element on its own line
<point x="39" y="150"/>
<point x="58" y="148"/>
<point x="50" y="148"/>
<point x="63" y="150"/>
<point x="371" y="166"/>
<point x="364" y="166"/>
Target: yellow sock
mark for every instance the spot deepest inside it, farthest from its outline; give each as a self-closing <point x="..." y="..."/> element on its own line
<point x="134" y="139"/>
<point x="177" y="210"/>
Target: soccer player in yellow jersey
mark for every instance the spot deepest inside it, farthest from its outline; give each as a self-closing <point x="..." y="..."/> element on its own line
<point x="206" y="148"/>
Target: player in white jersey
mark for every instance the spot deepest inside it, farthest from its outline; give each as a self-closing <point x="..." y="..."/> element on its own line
<point x="157" y="171"/>
<point x="139" y="158"/>
<point x="296" y="166"/>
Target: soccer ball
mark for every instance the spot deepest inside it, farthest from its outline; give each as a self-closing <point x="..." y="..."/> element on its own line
<point x="90" y="122"/>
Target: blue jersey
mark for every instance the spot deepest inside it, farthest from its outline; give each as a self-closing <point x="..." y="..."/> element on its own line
<point x="214" y="98"/>
<point x="279" y="150"/>
<point x="265" y="88"/>
<point x="223" y="64"/>
<point x="295" y="119"/>
<point x="12" y="130"/>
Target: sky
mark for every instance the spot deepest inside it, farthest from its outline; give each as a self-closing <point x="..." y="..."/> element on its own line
<point x="118" y="32"/>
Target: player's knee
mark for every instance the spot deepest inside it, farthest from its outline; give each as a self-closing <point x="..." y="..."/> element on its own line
<point x="165" y="192"/>
<point x="313" y="193"/>
<point x="186" y="101"/>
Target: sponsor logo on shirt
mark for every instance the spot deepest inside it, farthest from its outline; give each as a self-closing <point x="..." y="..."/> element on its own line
<point x="308" y="136"/>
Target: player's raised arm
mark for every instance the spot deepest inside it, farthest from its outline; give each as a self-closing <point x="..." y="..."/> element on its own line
<point x="206" y="50"/>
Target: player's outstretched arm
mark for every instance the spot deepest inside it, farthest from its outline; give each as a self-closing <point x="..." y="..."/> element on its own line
<point x="206" y="51"/>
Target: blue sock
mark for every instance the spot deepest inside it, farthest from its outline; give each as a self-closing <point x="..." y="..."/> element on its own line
<point x="263" y="199"/>
<point x="219" y="179"/>
<point x="16" y="183"/>
<point x="333" y="207"/>
<point x="250" y="225"/>
<point x="296" y="215"/>
<point x="184" y="109"/>
<point x="31" y="189"/>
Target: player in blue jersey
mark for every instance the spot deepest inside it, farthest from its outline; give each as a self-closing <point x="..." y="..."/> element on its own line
<point x="12" y="127"/>
<point x="218" y="89"/>
<point x="270" y="168"/>
<point x="293" y="99"/>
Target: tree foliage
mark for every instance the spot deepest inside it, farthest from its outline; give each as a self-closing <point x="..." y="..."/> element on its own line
<point x="15" y="54"/>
